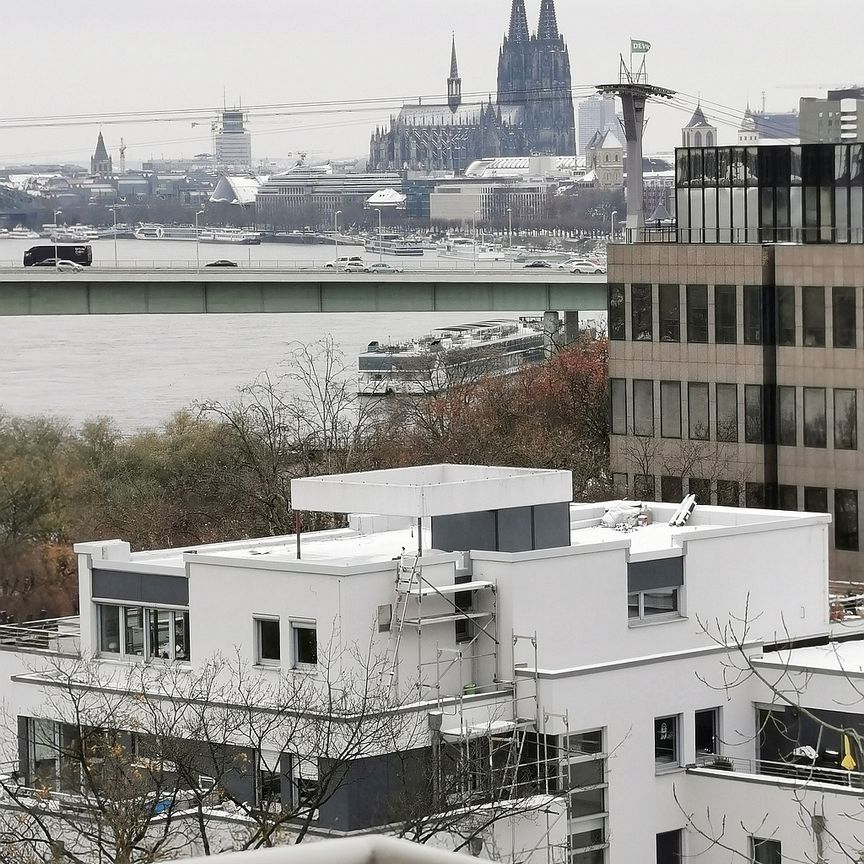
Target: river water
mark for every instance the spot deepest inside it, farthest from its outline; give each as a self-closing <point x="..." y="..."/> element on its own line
<point x="140" y="369"/>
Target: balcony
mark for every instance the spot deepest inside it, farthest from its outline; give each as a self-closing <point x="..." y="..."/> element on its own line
<point x="787" y="773"/>
<point x="51" y="636"/>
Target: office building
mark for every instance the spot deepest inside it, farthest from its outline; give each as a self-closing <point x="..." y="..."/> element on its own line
<point x="836" y="119"/>
<point x="545" y="655"/>
<point x="595" y="114"/>
<point x="233" y="141"/>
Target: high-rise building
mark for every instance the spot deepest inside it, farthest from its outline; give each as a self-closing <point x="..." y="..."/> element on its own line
<point x="100" y="162"/>
<point x="233" y="141"/>
<point x="839" y="118"/>
<point x="596" y="114"/>
<point x="736" y="352"/>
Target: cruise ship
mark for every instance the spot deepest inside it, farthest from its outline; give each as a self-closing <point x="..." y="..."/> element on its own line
<point x="232" y="236"/>
<point x="450" y="356"/>
<point x="466" y="249"/>
<point x="393" y="244"/>
<point x="165" y="232"/>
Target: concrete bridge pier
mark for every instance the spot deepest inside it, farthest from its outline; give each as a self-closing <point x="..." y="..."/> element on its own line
<point x="571" y="327"/>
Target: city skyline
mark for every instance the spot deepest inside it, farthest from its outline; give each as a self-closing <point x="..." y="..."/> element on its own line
<point x="386" y="61"/>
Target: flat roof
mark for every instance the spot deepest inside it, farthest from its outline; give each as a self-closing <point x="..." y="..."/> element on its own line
<point x="844" y="658"/>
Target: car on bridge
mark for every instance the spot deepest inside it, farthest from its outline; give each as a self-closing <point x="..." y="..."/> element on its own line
<point x="354" y="267"/>
<point x="342" y="262"/>
<point x="222" y="262"/>
<point x="382" y="267"/>
<point x="62" y="265"/>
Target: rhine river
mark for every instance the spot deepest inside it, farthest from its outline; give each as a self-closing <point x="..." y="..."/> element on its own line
<point x="140" y="369"/>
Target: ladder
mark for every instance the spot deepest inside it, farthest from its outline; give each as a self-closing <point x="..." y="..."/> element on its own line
<point x="407" y="581"/>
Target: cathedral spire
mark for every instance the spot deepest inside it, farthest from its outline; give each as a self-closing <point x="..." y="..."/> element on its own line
<point x="518" y="22"/>
<point x="547" y="30"/>
<point x="454" y="82"/>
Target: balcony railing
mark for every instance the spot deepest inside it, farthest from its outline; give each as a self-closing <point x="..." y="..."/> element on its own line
<point x="802" y="773"/>
<point x="53" y="635"/>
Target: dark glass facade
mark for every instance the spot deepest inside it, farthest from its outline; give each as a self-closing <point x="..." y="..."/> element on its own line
<point x="810" y="193"/>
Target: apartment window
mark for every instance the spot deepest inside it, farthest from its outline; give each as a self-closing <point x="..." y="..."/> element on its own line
<point x="618" y="399"/>
<point x="846" y="519"/>
<point x="641" y="311"/>
<point x="619" y="485"/>
<point x="699" y="427"/>
<point x="815" y="431"/>
<point x="727" y="412"/>
<point x="813" y="316"/>
<point x="305" y="639"/>
<point x="644" y="487"/>
<point x="586" y="743"/>
<point x="752" y="315"/>
<point x="725" y="315"/>
<point x="109" y="629"/>
<point x="753" y="422"/>
<point x="133" y="631"/>
<point x="670" y="313"/>
<point x="728" y="493"/>
<point x="701" y="488"/>
<point x="785" y="315"/>
<point x="268" y="650"/>
<point x="787" y="497"/>
<point x="670" y="409"/>
<point x="845" y="420"/>
<point x="844" y="318"/>
<point x="671" y="489"/>
<point x="588" y="843"/>
<point x="787" y="427"/>
<point x="133" y="641"/>
<point x="706" y="728"/>
<point x="666" y="742"/>
<point x="754" y="495"/>
<point x="617" y="326"/>
<point x="669" y="848"/>
<point x="697" y="313"/>
<point x="815" y="499"/>
<point x="585" y="764"/>
<point x="643" y="408"/>
<point x="765" y="851"/>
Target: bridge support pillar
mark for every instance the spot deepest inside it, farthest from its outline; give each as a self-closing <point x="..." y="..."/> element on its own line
<point x="551" y="332"/>
<point x="571" y="327"/>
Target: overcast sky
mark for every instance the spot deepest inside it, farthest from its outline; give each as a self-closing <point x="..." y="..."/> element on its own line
<point x="97" y="56"/>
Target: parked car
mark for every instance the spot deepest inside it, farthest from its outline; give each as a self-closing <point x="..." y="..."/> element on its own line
<point x="342" y="261"/>
<point x="532" y="264"/>
<point x="354" y="266"/>
<point x="222" y="262"/>
<point x="66" y="266"/>
<point x="382" y="268"/>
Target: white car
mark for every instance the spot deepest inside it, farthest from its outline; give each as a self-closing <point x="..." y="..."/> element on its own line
<point x="382" y="268"/>
<point x="65" y="266"/>
<point x="342" y="261"/>
<point x="586" y="267"/>
<point x="354" y="267"/>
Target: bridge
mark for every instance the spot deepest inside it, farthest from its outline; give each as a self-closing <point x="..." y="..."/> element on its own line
<point x="135" y="292"/>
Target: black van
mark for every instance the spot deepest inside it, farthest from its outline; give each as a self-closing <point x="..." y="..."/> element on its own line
<point x="82" y="255"/>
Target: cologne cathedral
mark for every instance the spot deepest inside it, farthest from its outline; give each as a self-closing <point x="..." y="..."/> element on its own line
<point x="532" y="115"/>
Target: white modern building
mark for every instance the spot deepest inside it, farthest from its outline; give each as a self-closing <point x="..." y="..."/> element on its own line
<point x="233" y="141"/>
<point x="594" y="684"/>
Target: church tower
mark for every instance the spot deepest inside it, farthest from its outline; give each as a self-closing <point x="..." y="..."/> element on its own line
<point x="100" y="162"/>
<point x="699" y="132"/>
<point x="514" y="60"/>
<point x="454" y="82"/>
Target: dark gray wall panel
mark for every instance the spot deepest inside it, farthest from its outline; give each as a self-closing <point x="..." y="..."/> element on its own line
<point x="515" y="532"/>
<point x="463" y="531"/>
<point x="551" y="525"/>
<point x="148" y="588"/>
<point x="660" y="573"/>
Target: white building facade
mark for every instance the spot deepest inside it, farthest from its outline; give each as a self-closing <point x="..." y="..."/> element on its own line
<point x="508" y="621"/>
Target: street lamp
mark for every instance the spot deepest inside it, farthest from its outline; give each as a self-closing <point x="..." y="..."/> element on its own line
<point x="336" y="216"/>
<point x="614" y="214"/>
<point x="56" y="230"/>
<point x="510" y="227"/>
<point x="380" y="244"/>
<point x="476" y="214"/>
<point x="198" y="243"/>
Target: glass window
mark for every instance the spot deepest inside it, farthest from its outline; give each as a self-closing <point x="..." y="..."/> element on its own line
<point x="754" y="495"/>
<point x="267" y="639"/>
<point x="701" y="488"/>
<point x="584" y="774"/>
<point x="785" y="315"/>
<point x="587" y="803"/>
<point x="641" y="311"/>
<point x="617" y="328"/>
<point x="643" y="487"/>
<point x="586" y="743"/>
<point x="660" y="601"/>
<point x="813" y="315"/>
<point x="670" y="409"/>
<point x="815" y="431"/>
<point x="643" y="408"/>
<point x="766" y="851"/>
<point x="618" y="394"/>
<point x="305" y="645"/>
<point x="706" y="731"/>
<point x="752" y="314"/>
<point x="134" y="636"/>
<point x="593" y="837"/>
<point x="843" y="317"/>
<point x="595" y="856"/>
<point x="699" y="428"/>
<point x="669" y="848"/>
<point x="728" y="493"/>
<point x="845" y="420"/>
<point x="725" y="314"/>
<point x="665" y="742"/>
<point x="109" y="629"/>
<point x="787" y="432"/>
<point x="753" y="425"/>
<point x="181" y="636"/>
<point x="672" y="489"/>
<point x="846" y="519"/>
<point x="727" y="412"/>
<point x="787" y="497"/>
<point x="619" y="485"/>
<point x="160" y="621"/>
<point x="697" y="313"/>
<point x="815" y="499"/>
<point x="670" y="313"/>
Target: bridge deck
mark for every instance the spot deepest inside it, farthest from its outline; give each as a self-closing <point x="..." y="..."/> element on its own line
<point x="112" y="292"/>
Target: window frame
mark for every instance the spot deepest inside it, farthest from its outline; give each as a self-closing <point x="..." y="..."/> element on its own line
<point x="776" y="850"/>
<point x="147" y="613"/>
<point x="674" y="763"/>
<point x="617" y="390"/>
<point x="673" y="389"/>
<point x="715" y="714"/>
<point x="298" y="626"/>
<point x="813" y="321"/>
<point x="638" y="384"/>
<point x="783" y="393"/>
<point x="669" y="311"/>
<point x="847" y="440"/>
<point x="260" y="659"/>
<point x="691" y="387"/>
<point x="725" y="333"/>
<point x="840" y="542"/>
<point x="617" y="312"/>
<point x="839" y="298"/>
<point x="819" y="441"/>
<point x="641" y="312"/>
<point x="737" y="421"/>
<point x="696" y="329"/>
